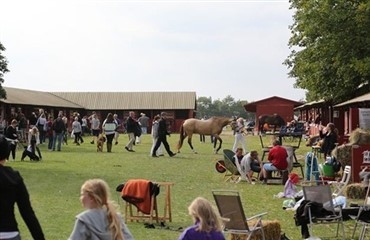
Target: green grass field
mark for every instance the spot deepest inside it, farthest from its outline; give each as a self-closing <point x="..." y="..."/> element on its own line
<point x="54" y="184"/>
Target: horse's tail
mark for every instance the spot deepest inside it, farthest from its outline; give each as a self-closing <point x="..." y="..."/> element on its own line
<point x="182" y="137"/>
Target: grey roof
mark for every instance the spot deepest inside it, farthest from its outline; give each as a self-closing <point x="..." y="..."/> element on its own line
<point x="36" y="98"/>
<point x="363" y="98"/>
<point x="131" y="100"/>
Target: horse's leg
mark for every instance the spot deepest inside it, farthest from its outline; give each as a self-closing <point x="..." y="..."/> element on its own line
<point x="179" y="145"/>
<point x="190" y="144"/>
<point x="219" y="146"/>
<point x="214" y="143"/>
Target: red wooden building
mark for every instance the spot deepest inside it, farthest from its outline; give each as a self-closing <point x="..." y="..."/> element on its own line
<point x="322" y="110"/>
<point x="347" y="113"/>
<point x="273" y="105"/>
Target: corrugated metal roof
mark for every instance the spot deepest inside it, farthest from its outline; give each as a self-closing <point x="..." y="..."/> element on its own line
<point x="310" y="104"/>
<point x="131" y="100"/>
<point x="363" y="98"/>
<point x="37" y="98"/>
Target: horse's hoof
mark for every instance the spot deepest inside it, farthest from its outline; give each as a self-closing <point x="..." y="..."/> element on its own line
<point x="195" y="152"/>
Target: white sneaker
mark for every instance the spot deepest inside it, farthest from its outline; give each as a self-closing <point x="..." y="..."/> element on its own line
<point x="237" y="180"/>
<point x="313" y="238"/>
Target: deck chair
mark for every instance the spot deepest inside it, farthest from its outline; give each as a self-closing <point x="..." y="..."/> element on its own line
<point x="340" y="186"/>
<point x="363" y="216"/>
<point x="231" y="210"/>
<point x="322" y="194"/>
<point x="232" y="172"/>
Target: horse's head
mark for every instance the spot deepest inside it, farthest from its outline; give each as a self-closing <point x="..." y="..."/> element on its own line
<point x="279" y="120"/>
<point x="233" y="123"/>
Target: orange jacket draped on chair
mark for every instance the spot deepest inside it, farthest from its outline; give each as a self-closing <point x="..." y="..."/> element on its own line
<point x="138" y="192"/>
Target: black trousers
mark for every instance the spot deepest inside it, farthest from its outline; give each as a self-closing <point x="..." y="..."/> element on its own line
<point x="13" y="148"/>
<point x="162" y="139"/>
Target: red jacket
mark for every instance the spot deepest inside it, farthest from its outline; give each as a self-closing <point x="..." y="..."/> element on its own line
<point x="278" y="157"/>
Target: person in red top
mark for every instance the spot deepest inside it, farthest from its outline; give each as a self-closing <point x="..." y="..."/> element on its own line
<point x="278" y="160"/>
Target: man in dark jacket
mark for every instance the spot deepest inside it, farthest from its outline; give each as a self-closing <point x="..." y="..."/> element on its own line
<point x="13" y="190"/>
<point x="131" y="128"/>
<point x="58" y="132"/>
<point x="162" y="136"/>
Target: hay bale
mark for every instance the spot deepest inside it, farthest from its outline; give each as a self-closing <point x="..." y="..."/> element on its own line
<point x="355" y="191"/>
<point x="343" y="154"/>
<point x="272" y="230"/>
<point x="359" y="137"/>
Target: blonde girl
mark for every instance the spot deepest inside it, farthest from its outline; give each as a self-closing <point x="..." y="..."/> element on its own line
<point x="100" y="220"/>
<point x="207" y="223"/>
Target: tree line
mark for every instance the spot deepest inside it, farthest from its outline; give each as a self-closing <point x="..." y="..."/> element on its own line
<point x="227" y="107"/>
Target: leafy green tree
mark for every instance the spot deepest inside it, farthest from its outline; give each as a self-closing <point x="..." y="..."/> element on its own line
<point x="203" y="106"/>
<point x="3" y="70"/>
<point x="226" y="107"/>
<point x="330" y="44"/>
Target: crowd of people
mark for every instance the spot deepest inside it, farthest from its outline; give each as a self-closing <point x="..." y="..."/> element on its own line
<point x="55" y="132"/>
<point x="101" y="219"/>
<point x="248" y="163"/>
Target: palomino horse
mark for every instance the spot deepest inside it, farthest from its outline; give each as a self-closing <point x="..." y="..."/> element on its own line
<point x="274" y="120"/>
<point x="212" y="126"/>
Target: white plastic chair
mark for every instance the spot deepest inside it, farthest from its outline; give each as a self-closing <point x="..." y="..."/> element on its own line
<point x="340" y="186"/>
<point x="362" y="219"/>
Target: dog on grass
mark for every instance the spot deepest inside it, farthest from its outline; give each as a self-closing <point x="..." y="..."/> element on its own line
<point x="100" y="143"/>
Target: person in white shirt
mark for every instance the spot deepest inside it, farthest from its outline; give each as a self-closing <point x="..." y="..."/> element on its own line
<point x="249" y="165"/>
<point x="239" y="135"/>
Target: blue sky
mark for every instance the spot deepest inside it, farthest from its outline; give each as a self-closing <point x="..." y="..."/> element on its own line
<point x="215" y="48"/>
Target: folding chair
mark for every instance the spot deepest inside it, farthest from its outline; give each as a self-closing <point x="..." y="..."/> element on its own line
<point x="231" y="210"/>
<point x="265" y="149"/>
<point x="340" y="186"/>
<point x="297" y="164"/>
<point x="322" y="194"/>
<point x="232" y="172"/>
<point x="363" y="216"/>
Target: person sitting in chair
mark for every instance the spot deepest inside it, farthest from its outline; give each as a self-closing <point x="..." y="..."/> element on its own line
<point x="278" y="160"/>
<point x="238" y="156"/>
<point x="329" y="137"/>
<point x="248" y="165"/>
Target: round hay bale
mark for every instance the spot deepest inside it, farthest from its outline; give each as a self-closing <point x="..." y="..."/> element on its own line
<point x="343" y="154"/>
<point x="355" y="191"/>
<point x="360" y="137"/>
<point x="272" y="230"/>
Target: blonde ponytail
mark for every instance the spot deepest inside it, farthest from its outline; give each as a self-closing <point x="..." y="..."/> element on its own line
<point x="114" y="221"/>
<point x="99" y="190"/>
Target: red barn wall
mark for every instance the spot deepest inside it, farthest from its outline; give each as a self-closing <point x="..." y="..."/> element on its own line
<point x="282" y="108"/>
